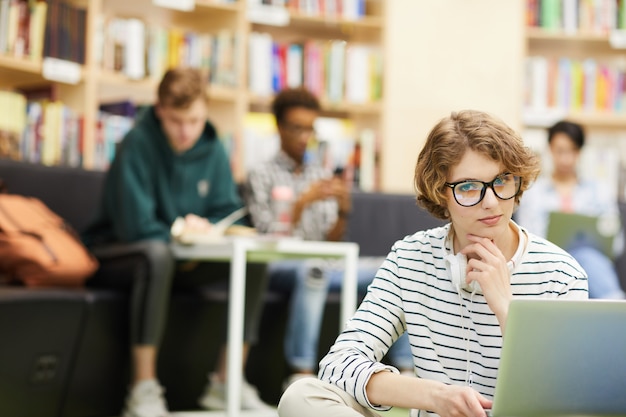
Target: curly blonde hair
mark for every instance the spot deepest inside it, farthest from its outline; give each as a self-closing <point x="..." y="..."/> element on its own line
<point x="448" y="141"/>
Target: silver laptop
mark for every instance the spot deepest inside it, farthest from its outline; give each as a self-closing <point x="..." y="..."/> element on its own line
<point x="563" y="357"/>
<point x="569" y="229"/>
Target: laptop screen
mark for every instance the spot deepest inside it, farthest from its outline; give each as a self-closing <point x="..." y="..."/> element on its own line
<point x="570" y="229"/>
<point x="563" y="357"/>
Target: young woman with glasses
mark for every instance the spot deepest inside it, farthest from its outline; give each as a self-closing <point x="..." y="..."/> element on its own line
<point x="472" y="171"/>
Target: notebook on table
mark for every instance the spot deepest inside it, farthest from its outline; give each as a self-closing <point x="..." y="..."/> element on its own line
<point x="566" y="229"/>
<point x="563" y="357"/>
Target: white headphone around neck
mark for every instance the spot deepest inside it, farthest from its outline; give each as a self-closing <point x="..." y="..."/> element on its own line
<point x="457" y="267"/>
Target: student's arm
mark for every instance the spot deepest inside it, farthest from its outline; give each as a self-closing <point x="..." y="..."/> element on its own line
<point x="130" y="197"/>
<point x="324" y="189"/>
<point x="424" y="394"/>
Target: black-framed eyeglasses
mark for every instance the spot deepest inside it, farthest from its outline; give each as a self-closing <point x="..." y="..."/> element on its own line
<point x="297" y="130"/>
<point x="468" y="193"/>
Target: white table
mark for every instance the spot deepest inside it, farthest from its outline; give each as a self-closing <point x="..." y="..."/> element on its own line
<point x="240" y="250"/>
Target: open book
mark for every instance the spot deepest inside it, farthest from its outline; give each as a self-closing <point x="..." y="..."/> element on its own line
<point x="218" y="231"/>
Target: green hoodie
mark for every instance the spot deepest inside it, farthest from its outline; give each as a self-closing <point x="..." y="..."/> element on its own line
<point x="148" y="185"/>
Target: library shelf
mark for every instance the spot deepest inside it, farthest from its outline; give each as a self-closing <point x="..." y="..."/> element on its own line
<point x="231" y="97"/>
<point x="17" y="64"/>
<point x="337" y="108"/>
<point x="602" y="49"/>
<point x="324" y="22"/>
<point x="539" y="34"/>
<point x="231" y="7"/>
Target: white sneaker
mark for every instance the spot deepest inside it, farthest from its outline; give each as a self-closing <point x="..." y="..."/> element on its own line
<point x="146" y="400"/>
<point x="214" y="397"/>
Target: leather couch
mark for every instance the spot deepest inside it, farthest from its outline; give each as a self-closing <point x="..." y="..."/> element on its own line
<point x="65" y="352"/>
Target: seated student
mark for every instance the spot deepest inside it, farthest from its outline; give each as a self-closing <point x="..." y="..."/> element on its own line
<point x="170" y="164"/>
<point x="565" y="191"/>
<point x="449" y="287"/>
<point x="320" y="209"/>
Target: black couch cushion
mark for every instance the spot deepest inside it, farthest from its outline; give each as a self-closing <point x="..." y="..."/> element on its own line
<point x="379" y="219"/>
<point x="74" y="194"/>
<point x="41" y="329"/>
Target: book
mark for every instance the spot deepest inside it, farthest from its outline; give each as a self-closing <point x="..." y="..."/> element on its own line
<point x="120" y="108"/>
<point x="336" y="71"/>
<point x="260" y="77"/>
<point x="358" y="85"/>
<point x="134" y="51"/>
<point x="4" y="25"/>
<point x="37" y="29"/>
<point x="216" y="233"/>
<point x="294" y="65"/>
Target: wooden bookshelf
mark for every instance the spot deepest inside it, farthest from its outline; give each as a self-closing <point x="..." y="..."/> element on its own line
<point x="538" y="34"/>
<point x="603" y="45"/>
<point x="214" y="5"/>
<point x="338" y="109"/>
<point x="230" y="99"/>
<point x="19" y="71"/>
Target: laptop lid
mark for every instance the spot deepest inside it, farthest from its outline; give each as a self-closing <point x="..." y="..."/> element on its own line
<point x="568" y="229"/>
<point x="562" y="357"/>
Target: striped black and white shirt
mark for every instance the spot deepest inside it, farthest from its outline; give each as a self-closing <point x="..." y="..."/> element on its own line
<point x="455" y="338"/>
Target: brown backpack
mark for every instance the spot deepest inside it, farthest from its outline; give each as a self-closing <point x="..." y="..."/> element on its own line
<point x="38" y="248"/>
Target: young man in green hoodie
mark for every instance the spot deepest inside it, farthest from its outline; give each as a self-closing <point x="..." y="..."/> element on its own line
<point x="171" y="164"/>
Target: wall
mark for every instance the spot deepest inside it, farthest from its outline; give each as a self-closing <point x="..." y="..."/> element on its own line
<point x="441" y="56"/>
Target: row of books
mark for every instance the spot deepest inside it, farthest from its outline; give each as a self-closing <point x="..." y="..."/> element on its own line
<point x="139" y="50"/>
<point x="48" y="132"/>
<point x="110" y="130"/>
<point x="53" y="135"/>
<point x="583" y="85"/>
<point x="345" y="9"/>
<point x="22" y="24"/>
<point x="34" y="28"/>
<point x="573" y="16"/>
<point x="333" y="70"/>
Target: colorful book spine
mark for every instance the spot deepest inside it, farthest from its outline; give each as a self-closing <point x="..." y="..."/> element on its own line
<point x="588" y="85"/>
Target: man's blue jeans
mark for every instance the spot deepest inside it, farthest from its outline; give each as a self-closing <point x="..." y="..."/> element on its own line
<point x="309" y="282"/>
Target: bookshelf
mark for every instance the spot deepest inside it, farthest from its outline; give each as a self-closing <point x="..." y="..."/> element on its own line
<point x="111" y="72"/>
<point x="575" y="65"/>
<point x="575" y="69"/>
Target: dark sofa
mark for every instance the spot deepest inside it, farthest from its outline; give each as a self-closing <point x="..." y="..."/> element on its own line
<point x="65" y="352"/>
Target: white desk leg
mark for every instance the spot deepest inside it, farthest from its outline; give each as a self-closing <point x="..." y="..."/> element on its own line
<point x="236" y="305"/>
<point x="350" y="286"/>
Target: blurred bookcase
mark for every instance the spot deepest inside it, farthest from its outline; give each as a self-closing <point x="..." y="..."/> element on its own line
<point x="575" y="69"/>
<point x="73" y="71"/>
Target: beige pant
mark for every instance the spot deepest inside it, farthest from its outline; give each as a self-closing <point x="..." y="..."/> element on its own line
<point x="310" y="397"/>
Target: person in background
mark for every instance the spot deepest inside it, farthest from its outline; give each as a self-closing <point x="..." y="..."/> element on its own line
<point x="170" y="164"/>
<point x="321" y="204"/>
<point x="449" y="287"/>
<point x="565" y="191"/>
